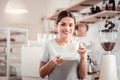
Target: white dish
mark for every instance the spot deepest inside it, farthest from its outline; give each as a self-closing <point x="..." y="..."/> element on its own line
<point x="69" y="58"/>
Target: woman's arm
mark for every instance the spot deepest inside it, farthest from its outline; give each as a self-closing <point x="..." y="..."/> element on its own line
<point x="46" y="68"/>
<point x="83" y="64"/>
<point x="82" y="68"/>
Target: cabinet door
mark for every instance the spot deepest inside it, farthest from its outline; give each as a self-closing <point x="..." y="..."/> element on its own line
<point x="31" y="60"/>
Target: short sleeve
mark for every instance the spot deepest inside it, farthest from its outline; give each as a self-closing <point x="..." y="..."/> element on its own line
<point x="45" y="56"/>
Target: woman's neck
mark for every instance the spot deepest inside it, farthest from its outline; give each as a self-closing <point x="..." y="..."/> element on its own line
<point x="62" y="41"/>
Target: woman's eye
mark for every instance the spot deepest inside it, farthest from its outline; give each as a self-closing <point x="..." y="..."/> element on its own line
<point x="63" y="24"/>
<point x="71" y="25"/>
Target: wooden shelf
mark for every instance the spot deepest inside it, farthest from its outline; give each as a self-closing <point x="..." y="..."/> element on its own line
<point x="12" y="42"/>
<point x="11" y="37"/>
<point x="77" y="7"/>
<point x="96" y="17"/>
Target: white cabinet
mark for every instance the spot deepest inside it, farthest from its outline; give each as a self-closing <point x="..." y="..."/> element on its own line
<point x="11" y="41"/>
<point x="30" y="63"/>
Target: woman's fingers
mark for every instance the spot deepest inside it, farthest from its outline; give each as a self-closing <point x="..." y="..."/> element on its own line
<point x="57" y="60"/>
<point x="58" y="56"/>
<point x="82" y="51"/>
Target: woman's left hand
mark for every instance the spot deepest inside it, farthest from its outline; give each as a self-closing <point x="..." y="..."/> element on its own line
<point x="82" y="50"/>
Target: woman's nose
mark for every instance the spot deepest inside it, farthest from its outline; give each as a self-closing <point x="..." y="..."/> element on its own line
<point x="67" y="27"/>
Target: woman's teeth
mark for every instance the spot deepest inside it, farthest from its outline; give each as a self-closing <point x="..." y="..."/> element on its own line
<point x="66" y="32"/>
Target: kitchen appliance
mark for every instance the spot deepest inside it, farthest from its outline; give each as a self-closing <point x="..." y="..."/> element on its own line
<point x="108" y="37"/>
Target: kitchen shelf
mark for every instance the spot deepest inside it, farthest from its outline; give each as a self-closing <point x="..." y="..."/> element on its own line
<point x="2" y="54"/>
<point x="74" y="8"/>
<point x="2" y="45"/>
<point x="77" y="7"/>
<point x="14" y="42"/>
<point x="8" y="38"/>
<point x="2" y="59"/>
<point x="96" y="17"/>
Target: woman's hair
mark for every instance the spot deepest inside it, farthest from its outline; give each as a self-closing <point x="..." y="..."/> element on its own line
<point x="81" y="24"/>
<point x="63" y="14"/>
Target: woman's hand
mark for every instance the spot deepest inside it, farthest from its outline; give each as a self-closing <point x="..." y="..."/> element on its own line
<point x="46" y="68"/>
<point x="57" y="60"/>
<point x="82" y="50"/>
<point x="82" y="66"/>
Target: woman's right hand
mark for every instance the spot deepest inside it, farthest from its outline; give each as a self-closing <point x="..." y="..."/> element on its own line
<point x="46" y="68"/>
<point x="57" y="60"/>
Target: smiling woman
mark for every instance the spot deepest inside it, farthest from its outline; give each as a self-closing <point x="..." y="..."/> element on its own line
<point x="53" y="62"/>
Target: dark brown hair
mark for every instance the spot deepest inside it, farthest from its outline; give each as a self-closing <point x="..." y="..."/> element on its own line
<point x="63" y="14"/>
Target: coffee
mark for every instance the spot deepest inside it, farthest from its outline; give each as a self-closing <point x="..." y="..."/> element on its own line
<point x="108" y="46"/>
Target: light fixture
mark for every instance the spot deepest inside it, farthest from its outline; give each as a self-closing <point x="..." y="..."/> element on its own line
<point x="15" y="7"/>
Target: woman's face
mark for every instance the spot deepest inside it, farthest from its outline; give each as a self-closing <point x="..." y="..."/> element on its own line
<point x="66" y="27"/>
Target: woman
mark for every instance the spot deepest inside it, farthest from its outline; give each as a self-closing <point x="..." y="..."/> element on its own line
<point x="54" y="63"/>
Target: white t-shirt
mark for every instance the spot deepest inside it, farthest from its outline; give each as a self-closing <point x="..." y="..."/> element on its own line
<point x="67" y="70"/>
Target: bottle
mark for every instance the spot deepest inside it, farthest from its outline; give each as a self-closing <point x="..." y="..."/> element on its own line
<point x="111" y="5"/>
<point x="89" y="65"/>
<point x="92" y="10"/>
<point x="97" y="9"/>
<point x="104" y="5"/>
<point x="90" y="69"/>
<point x="118" y="6"/>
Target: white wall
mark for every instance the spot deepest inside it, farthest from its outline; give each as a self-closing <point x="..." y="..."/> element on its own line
<point x="31" y="21"/>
